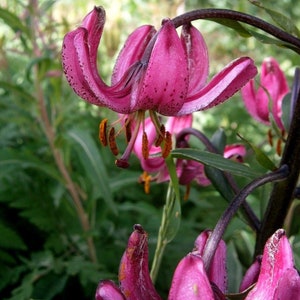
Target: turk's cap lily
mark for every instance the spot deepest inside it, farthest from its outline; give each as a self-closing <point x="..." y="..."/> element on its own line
<point x="178" y="88"/>
<point x="270" y="93"/>
<point x="156" y="71"/>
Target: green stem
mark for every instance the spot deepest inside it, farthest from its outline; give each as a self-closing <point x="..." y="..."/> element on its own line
<point x="170" y="219"/>
<point x="283" y="192"/>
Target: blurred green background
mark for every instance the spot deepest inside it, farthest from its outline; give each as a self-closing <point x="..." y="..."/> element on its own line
<point x="66" y="211"/>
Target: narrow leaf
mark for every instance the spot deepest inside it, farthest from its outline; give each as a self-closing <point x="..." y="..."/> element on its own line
<point x="216" y="161"/>
<point x="281" y="20"/>
<point x="94" y="166"/>
<point x="11" y="157"/>
<point x="261" y="157"/>
<point x="13" y="21"/>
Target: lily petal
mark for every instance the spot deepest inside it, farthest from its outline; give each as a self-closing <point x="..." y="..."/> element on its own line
<point x="197" y="55"/>
<point x="134" y="277"/>
<point x="160" y="91"/>
<point x="132" y="51"/>
<point x="222" y="86"/>
<point x="190" y="280"/>
<point x="251" y="275"/>
<point x="108" y="290"/>
<point x="288" y="286"/>
<point x="217" y="272"/>
<point x="277" y="258"/>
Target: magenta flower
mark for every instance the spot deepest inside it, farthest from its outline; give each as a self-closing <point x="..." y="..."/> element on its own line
<point x="187" y="170"/>
<point x="278" y="278"/>
<point x="156" y="71"/>
<point x="273" y="275"/>
<point x="270" y="93"/>
<point x="189" y="281"/>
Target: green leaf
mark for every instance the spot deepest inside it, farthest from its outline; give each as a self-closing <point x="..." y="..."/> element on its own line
<point x="94" y="166"/>
<point x="261" y="157"/>
<point x="235" y="25"/>
<point x="9" y="239"/>
<point x="216" y="161"/>
<point x="219" y="181"/>
<point x="13" y="21"/>
<point x="219" y="140"/>
<point x="246" y="31"/>
<point x="281" y="20"/>
<point x="286" y="111"/>
<point x="28" y="160"/>
<point x="17" y="90"/>
<point x="172" y="206"/>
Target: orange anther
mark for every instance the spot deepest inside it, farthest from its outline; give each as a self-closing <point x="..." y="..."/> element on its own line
<point x="112" y="141"/>
<point x="278" y="147"/>
<point x="145" y="146"/>
<point x="270" y="137"/>
<point x="167" y="145"/>
<point x="102" y="132"/>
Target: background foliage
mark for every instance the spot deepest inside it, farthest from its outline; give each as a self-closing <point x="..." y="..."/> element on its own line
<point x="65" y="211"/>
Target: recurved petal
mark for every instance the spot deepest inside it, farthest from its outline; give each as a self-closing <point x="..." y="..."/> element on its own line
<point x="115" y="99"/>
<point x="132" y="50"/>
<point x="197" y="55"/>
<point x="108" y="290"/>
<point x="258" y="109"/>
<point x="164" y="85"/>
<point x="222" y="86"/>
<point x="190" y="280"/>
<point x="94" y="24"/>
<point x="275" y="82"/>
<point x="73" y="70"/>
<point x="277" y="259"/>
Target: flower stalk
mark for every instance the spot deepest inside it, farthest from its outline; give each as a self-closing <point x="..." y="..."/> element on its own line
<point x="213" y="13"/>
<point x="220" y="227"/>
<point x="170" y="219"/>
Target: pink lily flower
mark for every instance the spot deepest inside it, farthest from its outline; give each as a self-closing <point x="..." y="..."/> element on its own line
<point x="272" y="89"/>
<point x="156" y="71"/>
<point x="278" y="278"/>
<point x="187" y="170"/>
<point x="273" y="276"/>
<point x="189" y="281"/>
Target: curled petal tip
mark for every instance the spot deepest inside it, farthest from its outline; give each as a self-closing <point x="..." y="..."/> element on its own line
<point x="108" y="290"/>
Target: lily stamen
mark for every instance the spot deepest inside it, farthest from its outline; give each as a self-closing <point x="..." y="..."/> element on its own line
<point x="102" y="132"/>
<point x="112" y="141"/>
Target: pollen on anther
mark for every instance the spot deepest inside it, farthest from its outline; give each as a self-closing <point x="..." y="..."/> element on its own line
<point x="112" y="141"/>
<point x="278" y="147"/>
<point x="102" y="132"/>
<point x="270" y="137"/>
<point x="167" y="145"/>
<point x="145" y="146"/>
